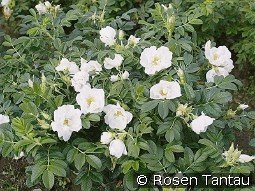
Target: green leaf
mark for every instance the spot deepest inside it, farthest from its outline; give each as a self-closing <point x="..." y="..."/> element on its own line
<point x="86" y="123"/>
<point x="126" y="166"/>
<point x="129" y="181"/>
<point x="94" y="161"/>
<point x="37" y="171"/>
<point x="163" y="109"/>
<point x="252" y="142"/>
<point x="116" y="88"/>
<point x="57" y="170"/>
<point x="222" y="97"/>
<point x="176" y="148"/>
<point x="79" y="161"/>
<point x="86" y="184"/>
<point x="200" y="156"/>
<point x="189" y="91"/>
<point x="169" y="155"/>
<point x="21" y="126"/>
<point x="133" y="150"/>
<point x="196" y="22"/>
<point x="71" y="155"/>
<point x="228" y="83"/>
<point x="148" y="106"/>
<point x="94" y="117"/>
<point x="48" y="179"/>
<point x="251" y="114"/>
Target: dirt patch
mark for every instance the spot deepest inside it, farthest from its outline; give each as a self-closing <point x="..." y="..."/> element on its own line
<point x="12" y="175"/>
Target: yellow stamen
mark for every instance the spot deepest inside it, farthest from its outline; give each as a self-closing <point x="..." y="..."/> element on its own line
<point x="155" y="60"/>
<point x="66" y="122"/>
<point x="90" y="100"/>
<point x="118" y="113"/>
<point x="215" y="56"/>
<point x="163" y="92"/>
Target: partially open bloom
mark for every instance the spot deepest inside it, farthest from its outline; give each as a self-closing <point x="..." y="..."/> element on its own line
<point x="113" y="63"/>
<point x="117" y="148"/>
<point x="4" y="119"/>
<point x="243" y="158"/>
<point x="217" y="71"/>
<point x="114" y="78"/>
<point x="91" y="100"/>
<point x="121" y="34"/>
<point x="79" y="80"/>
<point x="41" y="8"/>
<point x="165" y="90"/>
<point x="183" y="110"/>
<point x="46" y="7"/>
<point x="116" y="117"/>
<point x="201" y="123"/>
<point x="231" y="156"/>
<point x="107" y="36"/>
<point x="125" y="75"/>
<point x="106" y="137"/>
<point x="91" y="66"/>
<point x="133" y="41"/>
<point x="154" y="59"/>
<point x="65" y="64"/>
<point x="66" y="120"/>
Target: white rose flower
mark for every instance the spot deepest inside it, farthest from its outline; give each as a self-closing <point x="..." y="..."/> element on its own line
<point x="125" y="75"/>
<point x="116" y="117"/>
<point x="90" y="67"/>
<point x="91" y="100"/>
<point x="79" y="80"/>
<point x="217" y="71"/>
<point x="106" y="138"/>
<point x="165" y="90"/>
<point x="133" y="41"/>
<point x="201" y="123"/>
<point x="5" y="3"/>
<point x="242" y="107"/>
<point x="117" y="148"/>
<point x="107" y="36"/>
<point x="113" y="63"/>
<point x="154" y="59"/>
<point x="65" y="64"/>
<point x="228" y="65"/>
<point x="4" y="119"/>
<point x="245" y="158"/>
<point x="41" y="8"/>
<point x="114" y="78"/>
<point x="66" y="120"/>
<point x="217" y="56"/>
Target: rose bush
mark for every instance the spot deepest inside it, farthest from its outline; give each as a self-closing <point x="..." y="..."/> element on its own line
<point x="102" y="99"/>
